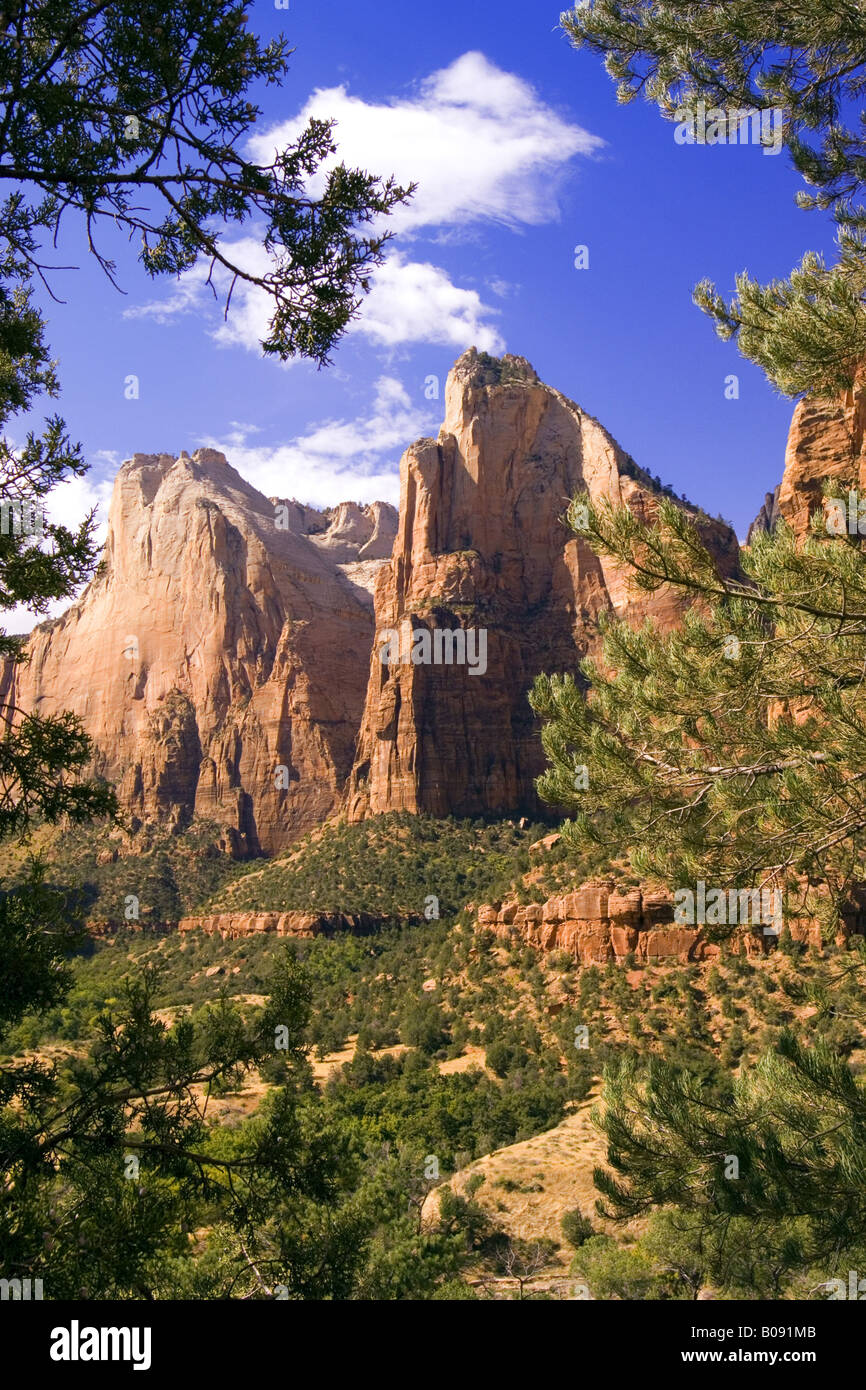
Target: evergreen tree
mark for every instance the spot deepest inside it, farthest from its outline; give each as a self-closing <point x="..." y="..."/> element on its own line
<point x="732" y="749"/>
<point x="111" y="1161"/>
<point x="133" y="115"/>
<point x="805" y="61"/>
<point x="781" y="1154"/>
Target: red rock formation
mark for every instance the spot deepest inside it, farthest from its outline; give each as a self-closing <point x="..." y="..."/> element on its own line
<point x="358" y="533"/>
<point x="827" y="439"/>
<point x="220" y="661"/>
<point x="234" y="925"/>
<point x="219" y="645"/>
<point x="597" y="923"/>
<point x="482" y="544"/>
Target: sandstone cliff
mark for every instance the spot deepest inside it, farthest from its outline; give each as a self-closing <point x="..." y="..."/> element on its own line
<point x="220" y="644"/>
<point x="482" y="544"/>
<point x="233" y="926"/>
<point x="224" y="663"/>
<point x="827" y="439"/>
<point x="597" y="923"/>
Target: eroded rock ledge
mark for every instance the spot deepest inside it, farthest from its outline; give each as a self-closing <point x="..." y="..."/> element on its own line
<point x="231" y="925"/>
<point x="598" y="923"/>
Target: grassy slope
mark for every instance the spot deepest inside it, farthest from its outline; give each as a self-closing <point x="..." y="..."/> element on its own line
<point x="389" y="865"/>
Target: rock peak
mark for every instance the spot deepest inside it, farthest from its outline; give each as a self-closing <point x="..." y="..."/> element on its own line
<point x="481" y="544"/>
<point x="219" y="660"/>
<point x="481" y="369"/>
<point x="222" y="658"/>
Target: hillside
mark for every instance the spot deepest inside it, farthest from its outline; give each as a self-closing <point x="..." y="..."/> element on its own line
<point x="443" y="1056"/>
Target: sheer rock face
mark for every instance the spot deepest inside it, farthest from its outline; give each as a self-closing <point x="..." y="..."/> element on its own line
<point x="220" y="660"/>
<point x="216" y="648"/>
<point x="482" y="544"/>
<point x="357" y="533"/>
<point x="827" y="439"/>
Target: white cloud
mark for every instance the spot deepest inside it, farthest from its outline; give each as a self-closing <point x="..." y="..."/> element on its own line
<point x="337" y="460"/>
<point x="251" y="307"/>
<point x="72" y="499"/>
<point x="415" y="302"/>
<point x="409" y="302"/>
<point x="482" y="147"/>
<point x="479" y="142"/>
<point x="187" y="295"/>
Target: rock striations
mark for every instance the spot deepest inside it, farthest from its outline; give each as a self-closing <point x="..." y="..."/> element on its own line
<point x="219" y="661"/>
<point x="233" y="926"/>
<point x="598" y="923"/>
<point x="827" y="439"/>
<point x="482" y="544"/>
<point x="223" y="661"/>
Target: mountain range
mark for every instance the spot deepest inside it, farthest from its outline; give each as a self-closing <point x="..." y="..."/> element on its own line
<point x="227" y="659"/>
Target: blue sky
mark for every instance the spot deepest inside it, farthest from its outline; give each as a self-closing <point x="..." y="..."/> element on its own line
<point x="521" y="153"/>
